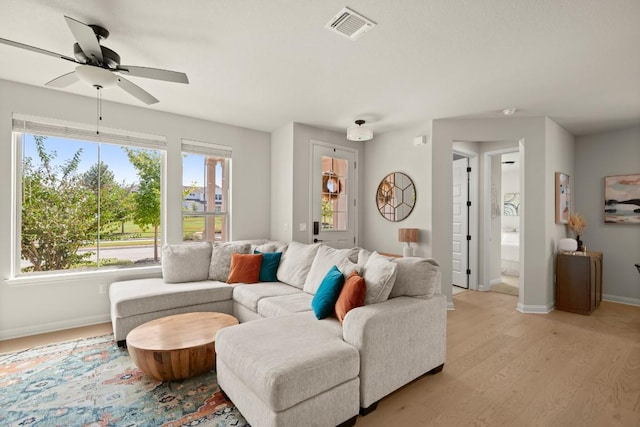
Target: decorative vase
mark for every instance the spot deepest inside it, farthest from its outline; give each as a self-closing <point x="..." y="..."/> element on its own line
<point x="580" y="244"/>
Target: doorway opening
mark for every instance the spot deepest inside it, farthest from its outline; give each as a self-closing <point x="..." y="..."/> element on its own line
<point x="504" y="221"/>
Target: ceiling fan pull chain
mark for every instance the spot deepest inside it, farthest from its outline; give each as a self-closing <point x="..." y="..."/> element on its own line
<point x="99" y="109"/>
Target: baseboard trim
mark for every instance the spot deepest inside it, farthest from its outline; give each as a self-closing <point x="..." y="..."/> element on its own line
<point x="450" y="305"/>
<point x="26" y="331"/>
<point x="535" y="309"/>
<point x="621" y="300"/>
<point x="494" y="282"/>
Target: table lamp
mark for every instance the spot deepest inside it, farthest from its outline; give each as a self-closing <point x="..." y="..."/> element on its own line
<point x="408" y="235"/>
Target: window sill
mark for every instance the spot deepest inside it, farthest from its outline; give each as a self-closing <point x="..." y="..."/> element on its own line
<point x="109" y="275"/>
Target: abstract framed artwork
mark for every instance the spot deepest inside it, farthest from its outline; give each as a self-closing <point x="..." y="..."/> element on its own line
<point x="563" y="198"/>
<point x="511" y="204"/>
<point x="622" y="199"/>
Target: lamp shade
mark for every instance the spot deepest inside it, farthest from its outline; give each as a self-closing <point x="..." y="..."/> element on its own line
<point x="359" y="132"/>
<point x="409" y="235"/>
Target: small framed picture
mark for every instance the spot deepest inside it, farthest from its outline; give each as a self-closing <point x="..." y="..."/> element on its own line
<point x="563" y="198"/>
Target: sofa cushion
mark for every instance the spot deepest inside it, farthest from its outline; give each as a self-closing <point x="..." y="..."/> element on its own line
<point x="221" y="258"/>
<point x="245" y="268"/>
<point x="379" y="275"/>
<point x="351" y="296"/>
<point x="416" y="277"/>
<point x="287" y="359"/>
<point x="296" y="263"/>
<point x="326" y="257"/>
<point x="324" y="300"/>
<point x="140" y="296"/>
<point x="186" y="263"/>
<point x="363" y="256"/>
<point x="285" y="304"/>
<point x="249" y="295"/>
<point x="269" y="266"/>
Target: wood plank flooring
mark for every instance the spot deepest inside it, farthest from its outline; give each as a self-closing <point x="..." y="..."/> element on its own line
<point x="505" y="368"/>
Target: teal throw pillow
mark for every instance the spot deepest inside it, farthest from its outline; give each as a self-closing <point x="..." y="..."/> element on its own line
<point x="324" y="301"/>
<point x="269" y="266"/>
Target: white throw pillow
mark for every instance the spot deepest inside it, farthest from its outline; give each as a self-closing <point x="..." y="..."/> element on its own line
<point x="296" y="263"/>
<point x="186" y="263"/>
<point x="221" y="258"/>
<point x="416" y="277"/>
<point x="379" y="277"/>
<point x="326" y="257"/>
<point x="363" y="256"/>
<point x="347" y="267"/>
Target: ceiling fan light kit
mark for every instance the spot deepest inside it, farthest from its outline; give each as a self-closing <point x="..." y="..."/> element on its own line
<point x="98" y="65"/>
<point x="96" y="76"/>
<point x="359" y="132"/>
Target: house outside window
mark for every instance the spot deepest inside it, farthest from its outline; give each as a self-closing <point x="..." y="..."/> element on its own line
<point x="205" y="203"/>
<point x="86" y="201"/>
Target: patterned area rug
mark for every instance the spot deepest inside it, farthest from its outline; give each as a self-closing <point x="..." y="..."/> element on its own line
<point x="93" y="382"/>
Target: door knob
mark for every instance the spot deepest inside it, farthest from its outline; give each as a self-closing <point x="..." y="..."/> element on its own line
<point x="317" y="240"/>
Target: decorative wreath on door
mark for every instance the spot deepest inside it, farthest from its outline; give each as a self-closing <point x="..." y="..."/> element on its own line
<point x="331" y="186"/>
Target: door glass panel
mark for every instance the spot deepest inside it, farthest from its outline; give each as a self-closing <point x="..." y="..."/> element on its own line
<point x="334" y="194"/>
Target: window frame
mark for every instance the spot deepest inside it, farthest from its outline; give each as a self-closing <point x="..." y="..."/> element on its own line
<point x="192" y="147"/>
<point x="22" y="125"/>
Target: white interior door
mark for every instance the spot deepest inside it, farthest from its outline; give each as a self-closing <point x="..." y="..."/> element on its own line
<point x="460" y="222"/>
<point x="333" y="211"/>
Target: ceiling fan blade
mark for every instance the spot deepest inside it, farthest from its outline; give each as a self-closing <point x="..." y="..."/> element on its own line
<point x="64" y="80"/>
<point x="154" y="73"/>
<point x="136" y="91"/>
<point x="86" y="38"/>
<point x="35" y="49"/>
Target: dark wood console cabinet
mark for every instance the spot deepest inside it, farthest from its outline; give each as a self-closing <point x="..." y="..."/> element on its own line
<point x="578" y="281"/>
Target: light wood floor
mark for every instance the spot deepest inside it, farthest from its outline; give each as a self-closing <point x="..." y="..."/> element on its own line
<point x="505" y="368"/>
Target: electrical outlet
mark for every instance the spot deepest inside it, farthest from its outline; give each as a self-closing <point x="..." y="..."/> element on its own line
<point x="102" y="288"/>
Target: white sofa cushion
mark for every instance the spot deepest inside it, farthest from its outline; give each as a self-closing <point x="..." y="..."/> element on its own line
<point x="271" y="246"/>
<point x="285" y="304"/>
<point x="296" y="263"/>
<point x="326" y="257"/>
<point x="186" y="263"/>
<point x="221" y="258"/>
<point x="140" y="296"/>
<point x="379" y="277"/>
<point x="288" y="359"/>
<point x="250" y="295"/>
<point x="417" y="277"/>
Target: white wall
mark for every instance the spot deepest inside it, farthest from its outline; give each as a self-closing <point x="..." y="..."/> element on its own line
<point x="598" y="156"/>
<point x="282" y="183"/>
<point x="396" y="152"/>
<point x="536" y="270"/>
<point x="33" y="306"/>
<point x="495" y="260"/>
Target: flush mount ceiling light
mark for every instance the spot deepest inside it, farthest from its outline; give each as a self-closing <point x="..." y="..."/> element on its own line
<point x="359" y="132"/>
<point x="509" y="111"/>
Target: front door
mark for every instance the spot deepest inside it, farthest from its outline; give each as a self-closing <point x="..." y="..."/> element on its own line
<point x="333" y="210"/>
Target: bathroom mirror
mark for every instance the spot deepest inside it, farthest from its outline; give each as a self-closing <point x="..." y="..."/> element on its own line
<point x="396" y="196"/>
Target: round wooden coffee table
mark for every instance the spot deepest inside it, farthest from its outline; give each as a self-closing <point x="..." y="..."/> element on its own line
<point x="179" y="346"/>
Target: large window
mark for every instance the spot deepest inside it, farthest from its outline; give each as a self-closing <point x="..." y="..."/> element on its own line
<point x="86" y="200"/>
<point x="205" y="201"/>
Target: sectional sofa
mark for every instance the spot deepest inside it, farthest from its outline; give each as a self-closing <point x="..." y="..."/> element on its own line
<point x="282" y="366"/>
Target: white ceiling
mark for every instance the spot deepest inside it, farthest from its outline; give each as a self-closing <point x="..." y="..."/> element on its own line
<point x="261" y="64"/>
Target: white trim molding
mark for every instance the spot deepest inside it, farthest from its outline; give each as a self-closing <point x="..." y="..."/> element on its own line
<point x="54" y="326"/>
<point x="621" y="300"/>
<point x="535" y="309"/>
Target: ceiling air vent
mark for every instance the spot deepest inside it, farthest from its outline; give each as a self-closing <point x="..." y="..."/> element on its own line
<point x="350" y="24"/>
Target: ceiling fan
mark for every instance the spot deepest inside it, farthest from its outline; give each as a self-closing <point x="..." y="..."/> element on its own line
<point x="100" y="66"/>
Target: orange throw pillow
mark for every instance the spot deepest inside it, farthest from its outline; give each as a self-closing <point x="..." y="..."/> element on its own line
<point x="245" y="268"/>
<point x="351" y="296"/>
